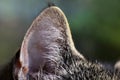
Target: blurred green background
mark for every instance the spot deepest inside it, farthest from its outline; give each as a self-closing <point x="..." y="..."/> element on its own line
<point x="95" y="26"/>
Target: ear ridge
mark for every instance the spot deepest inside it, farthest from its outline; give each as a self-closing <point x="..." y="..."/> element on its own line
<point x="69" y="36"/>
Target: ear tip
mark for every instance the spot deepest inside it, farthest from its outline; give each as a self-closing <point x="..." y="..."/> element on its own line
<point x="53" y="7"/>
<point x="56" y="12"/>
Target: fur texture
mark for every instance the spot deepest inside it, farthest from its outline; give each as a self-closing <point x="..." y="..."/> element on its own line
<point x="48" y="53"/>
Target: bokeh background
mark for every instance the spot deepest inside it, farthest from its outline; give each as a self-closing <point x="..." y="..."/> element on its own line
<point x="95" y="26"/>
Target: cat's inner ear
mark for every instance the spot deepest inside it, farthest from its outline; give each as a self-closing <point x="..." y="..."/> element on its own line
<point x="44" y="40"/>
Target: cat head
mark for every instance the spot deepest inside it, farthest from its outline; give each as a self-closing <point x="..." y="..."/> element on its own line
<point x="47" y="39"/>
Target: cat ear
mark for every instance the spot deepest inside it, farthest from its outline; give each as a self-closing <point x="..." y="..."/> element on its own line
<point x="47" y="38"/>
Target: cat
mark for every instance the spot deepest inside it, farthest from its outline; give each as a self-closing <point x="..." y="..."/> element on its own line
<point x="48" y="53"/>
